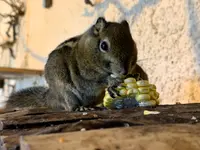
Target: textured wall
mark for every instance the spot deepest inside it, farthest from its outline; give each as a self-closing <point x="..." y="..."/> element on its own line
<point x="167" y="33"/>
<point x="5" y="59"/>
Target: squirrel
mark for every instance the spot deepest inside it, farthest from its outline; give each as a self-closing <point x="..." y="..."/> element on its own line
<point x="79" y="69"/>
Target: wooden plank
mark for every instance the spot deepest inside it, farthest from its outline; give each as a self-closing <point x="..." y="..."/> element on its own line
<point x="168" y="137"/>
<point x="69" y="127"/>
<point x="41" y="119"/>
<point x="12" y="73"/>
<point x="44" y="121"/>
<point x="168" y="114"/>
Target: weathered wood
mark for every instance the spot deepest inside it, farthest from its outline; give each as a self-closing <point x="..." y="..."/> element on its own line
<point x="15" y="123"/>
<point x="41" y="119"/>
<point x="168" y="114"/>
<point x="168" y="137"/>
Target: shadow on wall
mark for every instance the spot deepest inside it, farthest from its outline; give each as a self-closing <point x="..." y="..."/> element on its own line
<point x="194" y="31"/>
<point x="131" y="13"/>
<point x="192" y="86"/>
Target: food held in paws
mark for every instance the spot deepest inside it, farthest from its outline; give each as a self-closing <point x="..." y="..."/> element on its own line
<point x="135" y="93"/>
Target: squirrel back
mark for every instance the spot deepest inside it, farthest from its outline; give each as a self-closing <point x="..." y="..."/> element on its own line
<point x="80" y="68"/>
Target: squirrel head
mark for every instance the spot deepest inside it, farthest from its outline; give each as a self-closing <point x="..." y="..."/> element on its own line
<point x="108" y="47"/>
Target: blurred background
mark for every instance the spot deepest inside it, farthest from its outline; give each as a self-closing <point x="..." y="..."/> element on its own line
<point x="167" y="34"/>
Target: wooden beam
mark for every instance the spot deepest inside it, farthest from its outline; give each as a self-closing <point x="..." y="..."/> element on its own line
<point x="157" y="137"/>
<point x="12" y="73"/>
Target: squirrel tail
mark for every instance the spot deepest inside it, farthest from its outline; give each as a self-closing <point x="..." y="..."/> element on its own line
<point x="28" y="97"/>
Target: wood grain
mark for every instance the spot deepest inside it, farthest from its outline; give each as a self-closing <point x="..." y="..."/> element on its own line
<point x="169" y="137"/>
<point x="43" y="121"/>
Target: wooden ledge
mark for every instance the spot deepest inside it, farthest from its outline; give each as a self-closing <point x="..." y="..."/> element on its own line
<point x="175" y="126"/>
<point x="12" y="73"/>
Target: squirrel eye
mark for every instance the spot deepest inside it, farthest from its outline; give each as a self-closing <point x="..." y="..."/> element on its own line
<point x="104" y="46"/>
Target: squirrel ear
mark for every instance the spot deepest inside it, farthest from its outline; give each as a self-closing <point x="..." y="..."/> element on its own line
<point x="125" y="23"/>
<point x="100" y="25"/>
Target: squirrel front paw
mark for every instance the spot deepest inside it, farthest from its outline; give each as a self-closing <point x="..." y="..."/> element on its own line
<point x="82" y="108"/>
<point x="112" y="84"/>
<point x="113" y="92"/>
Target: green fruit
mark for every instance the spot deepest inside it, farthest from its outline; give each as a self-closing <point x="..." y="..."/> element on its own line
<point x="131" y="85"/>
<point x="135" y="90"/>
<point x="158" y="95"/>
<point x="107" y="102"/>
<point x="143" y="90"/>
<point x="142" y="83"/>
<point x="157" y="102"/>
<point x="107" y="95"/>
<point x="152" y="87"/>
<point x="154" y="95"/>
<point x="129" y="91"/>
<point x="132" y="92"/>
<point x="142" y="97"/>
<point x="120" y="88"/>
<point x="130" y="80"/>
<point x="106" y="92"/>
<point x="123" y="92"/>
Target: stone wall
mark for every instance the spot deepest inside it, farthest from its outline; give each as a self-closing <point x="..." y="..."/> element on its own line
<point x="167" y="33"/>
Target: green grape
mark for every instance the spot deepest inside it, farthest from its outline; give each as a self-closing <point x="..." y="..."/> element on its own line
<point x="144" y="90"/>
<point x="130" y="80"/>
<point x="107" y="102"/>
<point x="142" y="97"/>
<point x="142" y="83"/>
<point x="135" y="91"/>
<point x="123" y="92"/>
<point x="131" y="85"/>
<point x="154" y="95"/>
<point x="130" y="92"/>
<point x="152" y="87"/>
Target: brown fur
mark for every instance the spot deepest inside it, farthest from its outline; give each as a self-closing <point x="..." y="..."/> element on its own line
<point x="77" y="72"/>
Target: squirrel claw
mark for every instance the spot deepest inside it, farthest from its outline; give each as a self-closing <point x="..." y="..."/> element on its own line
<point x="82" y="108"/>
<point x="113" y="92"/>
